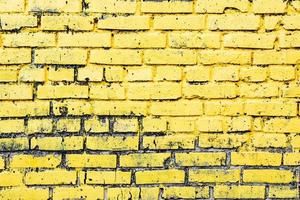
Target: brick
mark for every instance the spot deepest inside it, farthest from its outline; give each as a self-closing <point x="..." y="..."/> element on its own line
<point x="167" y="7"/>
<point x="2" y="163"/>
<point x="144" y="160"/>
<point x="140" y="40"/>
<point x="237" y="124"/>
<point x="116" y="57"/>
<point x="187" y="22"/>
<point x="226" y="73"/>
<point x="223" y="107"/>
<point x="28" y="39"/>
<point x="291" y="90"/>
<point x="197" y="73"/>
<point x="154" y="90"/>
<point x="291" y="22"/>
<point x="282" y="73"/>
<point x="258" y="90"/>
<point x="295" y="142"/>
<point x="268" y="176"/>
<point x="68" y="125"/>
<point x="233" y="22"/>
<point x="108" y="177"/>
<point x="11" y="178"/>
<point x="86" y="192"/>
<point x="210" y="124"/>
<point x="54" y="6"/>
<point x="91" y="161"/>
<point x="15" y="56"/>
<point x="24" y="108"/>
<point x="263" y="6"/>
<point x="14" y="144"/>
<point x="270" y="108"/>
<point x="151" y="124"/>
<point x="125" y="125"/>
<point x="8" y="6"/>
<point x="141" y="73"/>
<point x="32" y="74"/>
<point x="39" y="126"/>
<point x="221" y="140"/>
<point x="11" y="92"/>
<point x="175" y="108"/>
<point x="96" y="125"/>
<point x="12" y="126"/>
<point x="51" y="177"/>
<point x="255" y="159"/>
<point x="17" y="21"/>
<point x="269" y="140"/>
<point x="283" y="192"/>
<point x="207" y="57"/>
<point x="91" y="73"/>
<point x="214" y="175"/>
<point x="111" y="91"/>
<point x="172" y="56"/>
<point x="292" y="159"/>
<point x="289" y="40"/>
<point x="194" y="40"/>
<point x="178" y="141"/>
<point x="253" y="74"/>
<point x="57" y="143"/>
<point x="169" y="73"/>
<point x="71" y="107"/>
<point x="114" y="74"/>
<point x="62" y="91"/>
<point x="25" y="193"/>
<point x="278" y="57"/>
<point x="84" y="39"/>
<point x="67" y="22"/>
<point x="35" y="161"/>
<point x="125" y="23"/>
<point x="61" y="56"/>
<point x="249" y="40"/>
<point x="111" y="6"/>
<point x="217" y="6"/>
<point x="112" y="143"/>
<point x="133" y="192"/>
<point x="8" y="74"/>
<point x="185" y="192"/>
<point x="200" y="158"/>
<point x="60" y="74"/>
<point x="160" y="176"/>
<point x="282" y="125"/>
<point x="181" y="124"/>
<point x="240" y="191"/>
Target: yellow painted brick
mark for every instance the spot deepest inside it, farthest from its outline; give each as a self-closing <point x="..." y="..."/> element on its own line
<point x="267" y="140"/>
<point x="278" y="57"/>
<point x="54" y="6"/>
<point x="150" y="193"/>
<point x="291" y="159"/>
<point x="119" y="108"/>
<point x="84" y="39"/>
<point x="268" y="176"/>
<point x="233" y="22"/>
<point x="68" y="125"/>
<point x="12" y="92"/>
<point x="289" y="40"/>
<point x="239" y="192"/>
<point x="35" y="161"/>
<point x="28" y="39"/>
<point x="211" y="91"/>
<point x="39" y="126"/>
<point x="24" y="108"/>
<point x="141" y="73"/>
<point x="237" y="124"/>
<point x="183" y="107"/>
<point x="14" y="144"/>
<point x="283" y="192"/>
<point x="111" y="6"/>
<point x="116" y="56"/>
<point x="160" y="176"/>
<point x="60" y="74"/>
<point x="171" y="56"/>
<point x="194" y="40"/>
<point x="217" y="6"/>
<point x="223" y="107"/>
<point x="197" y="73"/>
<point x="17" y="21"/>
<point x="210" y="124"/>
<point x="62" y="91"/>
<point x="32" y="74"/>
<point x="108" y="91"/>
<point x="15" y="55"/>
<point x="255" y="159"/>
<point x="186" y="192"/>
<point x="108" y="177"/>
<point x="84" y="191"/>
<point x="90" y="160"/>
<point x="140" y="40"/>
<point x="114" y="74"/>
<point x="181" y="124"/>
<point x="253" y="74"/>
<point x="295" y="142"/>
<point x="253" y="90"/>
<point x="170" y="73"/>
<point x="257" y="124"/>
<point x="144" y="159"/>
<point x="151" y="124"/>
<point x="12" y="126"/>
<point x="221" y="140"/>
<point x="282" y="73"/>
<point x="71" y="107"/>
<point x="8" y="74"/>
<point x="11" y="178"/>
<point x="2" y="163"/>
<point x="125" y="23"/>
<point x="250" y="40"/>
<point x="8" y="6"/>
<point x="51" y="177"/>
<point x="90" y="73"/>
<point x="112" y="143"/>
<point x="177" y="141"/>
<point x="57" y="143"/>
<point x="291" y="90"/>
<point x="187" y="22"/>
<point x="200" y="158"/>
<point x="126" y="125"/>
<point x="61" y="56"/>
<point x="96" y="125"/>
<point x="263" y="6"/>
<point x="282" y="125"/>
<point x="161" y="90"/>
<point x="224" y="57"/>
<point x="291" y="22"/>
<point x="24" y="193"/>
<point x="214" y="175"/>
<point x="226" y="73"/>
<point x="167" y="7"/>
<point x="67" y="22"/>
<point x="271" y="108"/>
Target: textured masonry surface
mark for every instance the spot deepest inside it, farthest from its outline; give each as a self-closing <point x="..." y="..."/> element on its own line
<point x="133" y="99"/>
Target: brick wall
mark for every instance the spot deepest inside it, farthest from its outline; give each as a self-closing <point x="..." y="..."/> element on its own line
<point x="133" y="99"/>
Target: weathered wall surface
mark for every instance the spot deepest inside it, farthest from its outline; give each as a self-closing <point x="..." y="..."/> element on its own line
<point x="119" y="99"/>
